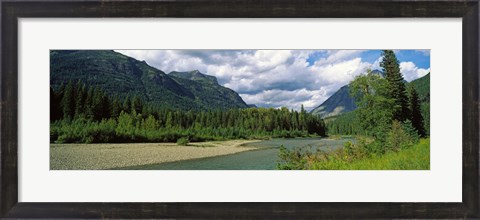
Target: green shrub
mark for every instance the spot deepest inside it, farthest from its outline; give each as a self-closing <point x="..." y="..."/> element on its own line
<point x="183" y="141"/>
<point x="411" y="131"/>
<point x="398" y="138"/>
<point x="291" y="159"/>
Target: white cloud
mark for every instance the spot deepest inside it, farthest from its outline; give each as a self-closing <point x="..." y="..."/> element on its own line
<point x="270" y="78"/>
<point x="292" y="99"/>
<point x="424" y="52"/>
<point x="376" y="64"/>
<point x="335" y="56"/>
<point x="340" y="72"/>
<point x="410" y="71"/>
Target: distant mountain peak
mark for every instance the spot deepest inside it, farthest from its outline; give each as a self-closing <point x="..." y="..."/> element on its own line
<point x="377" y="71"/>
<point x="339" y="103"/>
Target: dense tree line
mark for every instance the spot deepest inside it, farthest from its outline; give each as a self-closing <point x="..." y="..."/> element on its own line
<point x="345" y="124"/>
<point x="81" y="114"/>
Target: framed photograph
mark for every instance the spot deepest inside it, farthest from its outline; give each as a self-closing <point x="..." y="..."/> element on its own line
<point x="240" y="109"/>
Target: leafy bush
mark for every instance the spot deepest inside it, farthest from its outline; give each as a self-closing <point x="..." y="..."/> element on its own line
<point x="291" y="159"/>
<point x="183" y="141"/>
<point x="401" y="136"/>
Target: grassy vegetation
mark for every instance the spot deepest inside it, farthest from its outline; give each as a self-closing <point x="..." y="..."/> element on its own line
<point x="416" y="157"/>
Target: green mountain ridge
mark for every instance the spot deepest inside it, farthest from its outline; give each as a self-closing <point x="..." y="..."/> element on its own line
<point x="422" y="86"/>
<point x="123" y="76"/>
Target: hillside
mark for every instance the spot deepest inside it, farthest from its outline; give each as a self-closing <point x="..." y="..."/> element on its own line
<point x="207" y="91"/>
<point x="422" y="85"/>
<point x="124" y="76"/>
<point x="340" y="102"/>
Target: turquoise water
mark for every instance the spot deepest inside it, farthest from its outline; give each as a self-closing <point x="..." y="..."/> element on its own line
<point x="264" y="158"/>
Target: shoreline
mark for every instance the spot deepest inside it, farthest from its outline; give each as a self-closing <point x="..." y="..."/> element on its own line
<point x="111" y="156"/>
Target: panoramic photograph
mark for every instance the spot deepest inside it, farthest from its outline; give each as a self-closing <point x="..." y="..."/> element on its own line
<point x="239" y="109"/>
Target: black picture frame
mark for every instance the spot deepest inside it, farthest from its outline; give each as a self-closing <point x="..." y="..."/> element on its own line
<point x="12" y="10"/>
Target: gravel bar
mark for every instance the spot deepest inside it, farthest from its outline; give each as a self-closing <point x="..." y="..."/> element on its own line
<point x="108" y="156"/>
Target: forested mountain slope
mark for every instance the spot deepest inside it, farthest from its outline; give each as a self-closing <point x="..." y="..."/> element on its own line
<point x="123" y="76"/>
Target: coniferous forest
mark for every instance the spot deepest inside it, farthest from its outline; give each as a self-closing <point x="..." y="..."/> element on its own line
<point x="88" y="115"/>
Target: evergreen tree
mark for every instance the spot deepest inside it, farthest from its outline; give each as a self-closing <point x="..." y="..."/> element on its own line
<point x="137" y="104"/>
<point x="98" y="104"/>
<point x="127" y="105"/>
<point x="169" y="120"/>
<point x="68" y="103"/>
<point x="80" y="96"/>
<point x="106" y="105"/>
<point x="301" y="118"/>
<point x="55" y="111"/>
<point x="116" y="107"/>
<point x="294" y="120"/>
<point x="391" y="69"/>
<point x="89" y="111"/>
<point x="416" y="112"/>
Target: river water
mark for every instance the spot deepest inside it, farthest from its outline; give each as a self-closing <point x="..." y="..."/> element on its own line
<point x="264" y="158"/>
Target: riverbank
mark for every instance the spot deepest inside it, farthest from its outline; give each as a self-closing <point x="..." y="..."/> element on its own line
<point x="109" y="156"/>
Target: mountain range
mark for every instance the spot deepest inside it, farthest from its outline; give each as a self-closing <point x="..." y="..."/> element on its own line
<point x="122" y="76"/>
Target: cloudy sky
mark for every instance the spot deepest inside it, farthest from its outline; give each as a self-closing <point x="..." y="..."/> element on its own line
<point x="275" y="78"/>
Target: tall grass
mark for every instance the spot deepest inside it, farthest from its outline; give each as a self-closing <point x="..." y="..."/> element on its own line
<point x="416" y="157"/>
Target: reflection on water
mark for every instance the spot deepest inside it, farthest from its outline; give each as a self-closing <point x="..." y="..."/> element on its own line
<point x="264" y="158"/>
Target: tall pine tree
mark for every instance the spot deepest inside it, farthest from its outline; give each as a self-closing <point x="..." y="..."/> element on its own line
<point x="416" y="112"/>
<point x="116" y="107"/>
<point x="80" y="96"/>
<point x="398" y="93"/>
<point x="89" y="111"/>
<point x="55" y="111"/>
<point x="68" y="101"/>
<point x="137" y="104"/>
